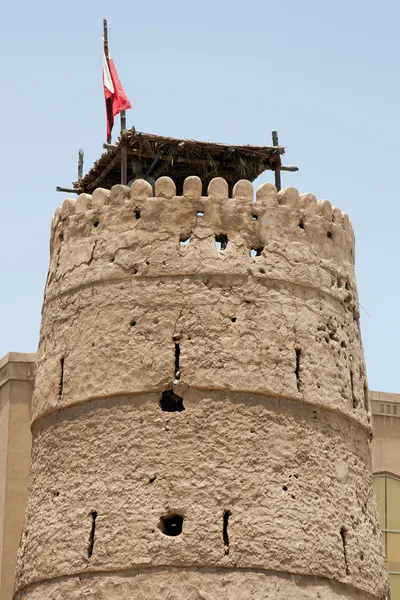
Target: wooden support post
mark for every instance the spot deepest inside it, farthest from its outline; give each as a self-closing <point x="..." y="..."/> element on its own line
<point x="124" y="152"/>
<point x="80" y="164"/>
<point x="68" y="190"/>
<point x="277" y="169"/>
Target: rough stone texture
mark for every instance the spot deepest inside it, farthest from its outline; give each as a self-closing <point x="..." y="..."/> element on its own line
<point x="193" y="584"/>
<point x="275" y="427"/>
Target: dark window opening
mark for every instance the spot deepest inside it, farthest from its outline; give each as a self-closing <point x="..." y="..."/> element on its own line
<point x="221" y="241"/>
<point x="353" y="396"/>
<point x="256" y="251"/>
<point x="297" y="369"/>
<point x="93" y="514"/>
<point x="343" y="535"/>
<point x="61" y="382"/>
<point x="137" y="213"/>
<point x="171" y="402"/>
<point x="184" y="241"/>
<point x="171" y="524"/>
<point x="96" y="223"/>
<point x="301" y="223"/>
<point x="254" y="217"/>
<point x="329" y="234"/>
<point x="225" y="534"/>
<point x="366" y="399"/>
<point x="177" y="356"/>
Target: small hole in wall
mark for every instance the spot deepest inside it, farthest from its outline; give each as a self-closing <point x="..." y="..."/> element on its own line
<point x="225" y="534"/>
<point x="171" y="402"/>
<point x="93" y="514"/>
<point x="61" y="380"/>
<point x="301" y="223"/>
<point x="256" y="251"/>
<point x="152" y="479"/>
<point x="366" y="399"/>
<point x="329" y="235"/>
<point x="112" y="259"/>
<point x="132" y="323"/>
<point x="221" y="241"/>
<point x="177" y="371"/>
<point x="297" y="369"/>
<point x="353" y="395"/>
<point x="343" y="535"/>
<point x="285" y="488"/>
<point x="137" y="213"/>
<point x="254" y="217"/>
<point x="171" y="524"/>
<point x="96" y="223"/>
<point x="200" y="213"/>
<point x="61" y="237"/>
<point x="262" y="271"/>
<point x="233" y="319"/>
<point x="184" y="241"/>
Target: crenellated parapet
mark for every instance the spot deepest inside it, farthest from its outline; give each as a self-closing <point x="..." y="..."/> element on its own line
<point x="315" y="228"/>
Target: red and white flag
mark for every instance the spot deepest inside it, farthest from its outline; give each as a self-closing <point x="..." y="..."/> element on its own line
<point x="116" y="99"/>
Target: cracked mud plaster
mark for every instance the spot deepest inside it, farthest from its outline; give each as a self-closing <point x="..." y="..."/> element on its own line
<point x="274" y="430"/>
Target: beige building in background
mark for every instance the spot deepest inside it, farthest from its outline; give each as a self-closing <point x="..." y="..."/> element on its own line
<point x="17" y="372"/>
<point x="386" y="465"/>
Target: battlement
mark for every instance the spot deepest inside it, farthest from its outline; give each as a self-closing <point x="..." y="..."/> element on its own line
<point x="247" y="223"/>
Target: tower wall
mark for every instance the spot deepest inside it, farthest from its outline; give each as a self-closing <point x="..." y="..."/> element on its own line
<point x="222" y="386"/>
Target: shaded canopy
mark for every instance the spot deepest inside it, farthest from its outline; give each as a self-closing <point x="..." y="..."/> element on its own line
<point x="155" y="156"/>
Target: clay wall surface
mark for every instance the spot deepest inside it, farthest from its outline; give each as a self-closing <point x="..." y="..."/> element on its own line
<point x="16" y="386"/>
<point x="243" y="316"/>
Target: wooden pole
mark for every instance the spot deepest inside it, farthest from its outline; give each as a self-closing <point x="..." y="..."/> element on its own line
<point x="105" y="38"/>
<point x="80" y="164"/>
<point x="107" y="55"/>
<point x="277" y="169"/>
<point x="124" y="152"/>
<point x="68" y="190"/>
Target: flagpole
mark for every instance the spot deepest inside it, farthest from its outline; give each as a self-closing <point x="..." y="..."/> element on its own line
<point x="107" y="55"/>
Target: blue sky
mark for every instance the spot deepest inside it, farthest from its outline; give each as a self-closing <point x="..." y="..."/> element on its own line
<point x="324" y="74"/>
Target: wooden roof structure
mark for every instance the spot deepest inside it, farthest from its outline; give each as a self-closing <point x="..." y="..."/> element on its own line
<point x="148" y="156"/>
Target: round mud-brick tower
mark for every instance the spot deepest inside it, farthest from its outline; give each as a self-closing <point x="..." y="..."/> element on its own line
<point x="200" y="421"/>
